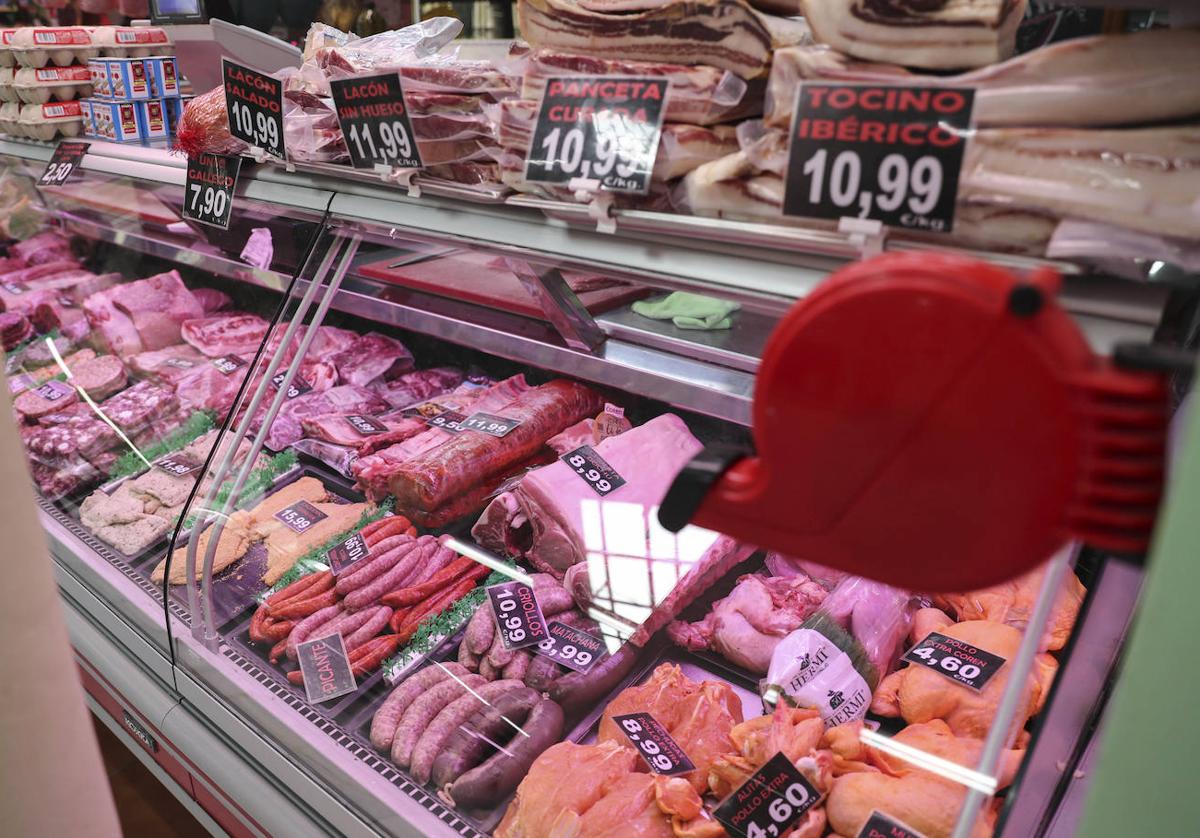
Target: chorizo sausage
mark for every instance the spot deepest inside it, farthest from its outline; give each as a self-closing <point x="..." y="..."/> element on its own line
<point x="421" y="712"/>
<point x="482" y="733"/>
<point x="447" y="721"/>
<point x="498" y="776"/>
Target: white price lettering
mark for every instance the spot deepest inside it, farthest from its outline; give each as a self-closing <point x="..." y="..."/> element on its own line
<point x="257" y="124"/>
<point x="919" y="187"/>
<point x="208" y="201"/>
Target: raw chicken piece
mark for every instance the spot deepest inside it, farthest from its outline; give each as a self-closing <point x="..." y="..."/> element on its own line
<point x="919" y="694"/>
<point x="746" y="626"/>
<point x="699" y="716"/>
<point x="546" y="805"/>
<point x="1012" y="603"/>
<point x="794" y="731"/>
<point x="780" y="565"/>
<point x="629" y="808"/>
<point x="851" y="753"/>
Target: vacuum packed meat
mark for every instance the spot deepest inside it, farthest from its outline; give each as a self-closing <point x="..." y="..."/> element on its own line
<point x="225" y="334"/>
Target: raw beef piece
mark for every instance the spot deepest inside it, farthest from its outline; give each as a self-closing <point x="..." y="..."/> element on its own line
<point x="946" y="35"/>
<point x="413" y="387"/>
<point x="722" y="33"/>
<point x="746" y="626"/>
<point x="226" y="334"/>
<point x="434" y="478"/>
<point x="70" y="322"/>
<point x="132" y="409"/>
<point x="371" y="357"/>
<point x="699" y="95"/>
<point x="157" y="306"/>
<point x="373" y="472"/>
<point x="40" y="249"/>
<point x="328" y="341"/>
<point x="211" y="300"/>
<point x="170" y="365"/>
<point x="207" y="388"/>
<point x="345" y="399"/>
<point x="1147" y="72"/>
<point x="542" y="518"/>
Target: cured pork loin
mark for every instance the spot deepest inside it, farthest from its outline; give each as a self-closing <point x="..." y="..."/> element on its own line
<point x="700" y="95"/>
<point x="438" y="476"/>
<point x="1144" y="179"/>
<point x="727" y="34"/>
<point x="945" y="35"/>
<point x="1105" y="80"/>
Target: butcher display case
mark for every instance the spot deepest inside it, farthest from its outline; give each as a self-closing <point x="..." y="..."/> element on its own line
<point x="418" y="576"/>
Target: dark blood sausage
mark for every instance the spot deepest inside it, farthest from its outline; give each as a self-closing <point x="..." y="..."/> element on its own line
<point x="433" y="478"/>
<point x="433" y="739"/>
<point x="486" y="730"/>
<point x="387" y="717"/>
<point x="578" y="692"/>
<point x="542" y="673"/>
<point x="499" y="775"/>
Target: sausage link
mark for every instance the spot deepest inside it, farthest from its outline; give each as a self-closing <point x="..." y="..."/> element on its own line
<point x="483" y="733"/>
<point x="371" y="627"/>
<point x="390" y="580"/>
<point x="441" y="557"/>
<point x="468" y="660"/>
<point x="279" y="630"/>
<point x="447" y="721"/>
<point x="258" y="625"/>
<point x="542" y="673"/>
<point x="374" y="652"/>
<point x="294" y="608"/>
<point x="381" y="562"/>
<point x="498" y="656"/>
<point x="387" y="717"/>
<point x="517" y="668"/>
<point x="435" y="605"/>
<point x="480" y="631"/>
<point x="295" y="589"/>
<point x="414" y="594"/>
<point x="421" y="712"/>
<point x="498" y="776"/>
<point x="306" y="626"/>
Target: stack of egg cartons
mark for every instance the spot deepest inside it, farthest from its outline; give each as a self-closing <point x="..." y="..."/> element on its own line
<point x="135" y="85"/>
<point x="43" y="77"/>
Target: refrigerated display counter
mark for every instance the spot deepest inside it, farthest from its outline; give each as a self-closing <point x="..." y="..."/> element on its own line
<point x="354" y="509"/>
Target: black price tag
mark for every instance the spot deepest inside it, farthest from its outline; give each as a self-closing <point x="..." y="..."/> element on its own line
<point x="892" y="154"/>
<point x="661" y="752"/>
<point x="179" y="464"/>
<point x="960" y="662"/>
<point x="140" y="732"/>
<point x="489" y="424"/>
<point x="254" y="102"/>
<point x="451" y="421"/>
<point x="365" y="425"/>
<point x="228" y="364"/>
<point x="352" y="550"/>
<point x="208" y="191"/>
<point x="518" y="615"/>
<point x="571" y="647"/>
<point x="603" y="128"/>
<point x="65" y="160"/>
<point x="375" y="123"/>
<point x="770" y="802"/>
<point x="52" y="391"/>
<point x="880" y="825"/>
<point x="593" y="470"/>
<point x="326" y="668"/>
<point x="298" y="387"/>
<point x="300" y="516"/>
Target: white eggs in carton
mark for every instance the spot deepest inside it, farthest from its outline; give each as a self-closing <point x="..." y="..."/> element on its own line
<point x="50" y="120"/>
<point x="37" y="46"/>
<point x="41" y="84"/>
<point x="133" y="41"/>
<point x="10" y="113"/>
<point x="8" y="93"/>
<point x="6" y="54"/>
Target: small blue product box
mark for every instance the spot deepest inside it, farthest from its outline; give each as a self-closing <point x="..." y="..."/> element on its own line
<point x="89" y="120"/>
<point x="117" y="121"/>
<point x="153" y="119"/>
<point x="101" y="86"/>
<point x="130" y="78"/>
<point x="164" y="75"/>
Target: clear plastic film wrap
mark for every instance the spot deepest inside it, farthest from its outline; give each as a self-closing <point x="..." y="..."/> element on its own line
<point x="839" y="655"/>
<point x="700" y="95"/>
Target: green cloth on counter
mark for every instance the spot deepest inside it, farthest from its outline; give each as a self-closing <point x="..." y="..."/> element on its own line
<point x="689" y="311"/>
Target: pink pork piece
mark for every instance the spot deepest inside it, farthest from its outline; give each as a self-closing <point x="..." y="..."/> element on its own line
<point x="372" y="357"/>
<point x="226" y="334"/>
